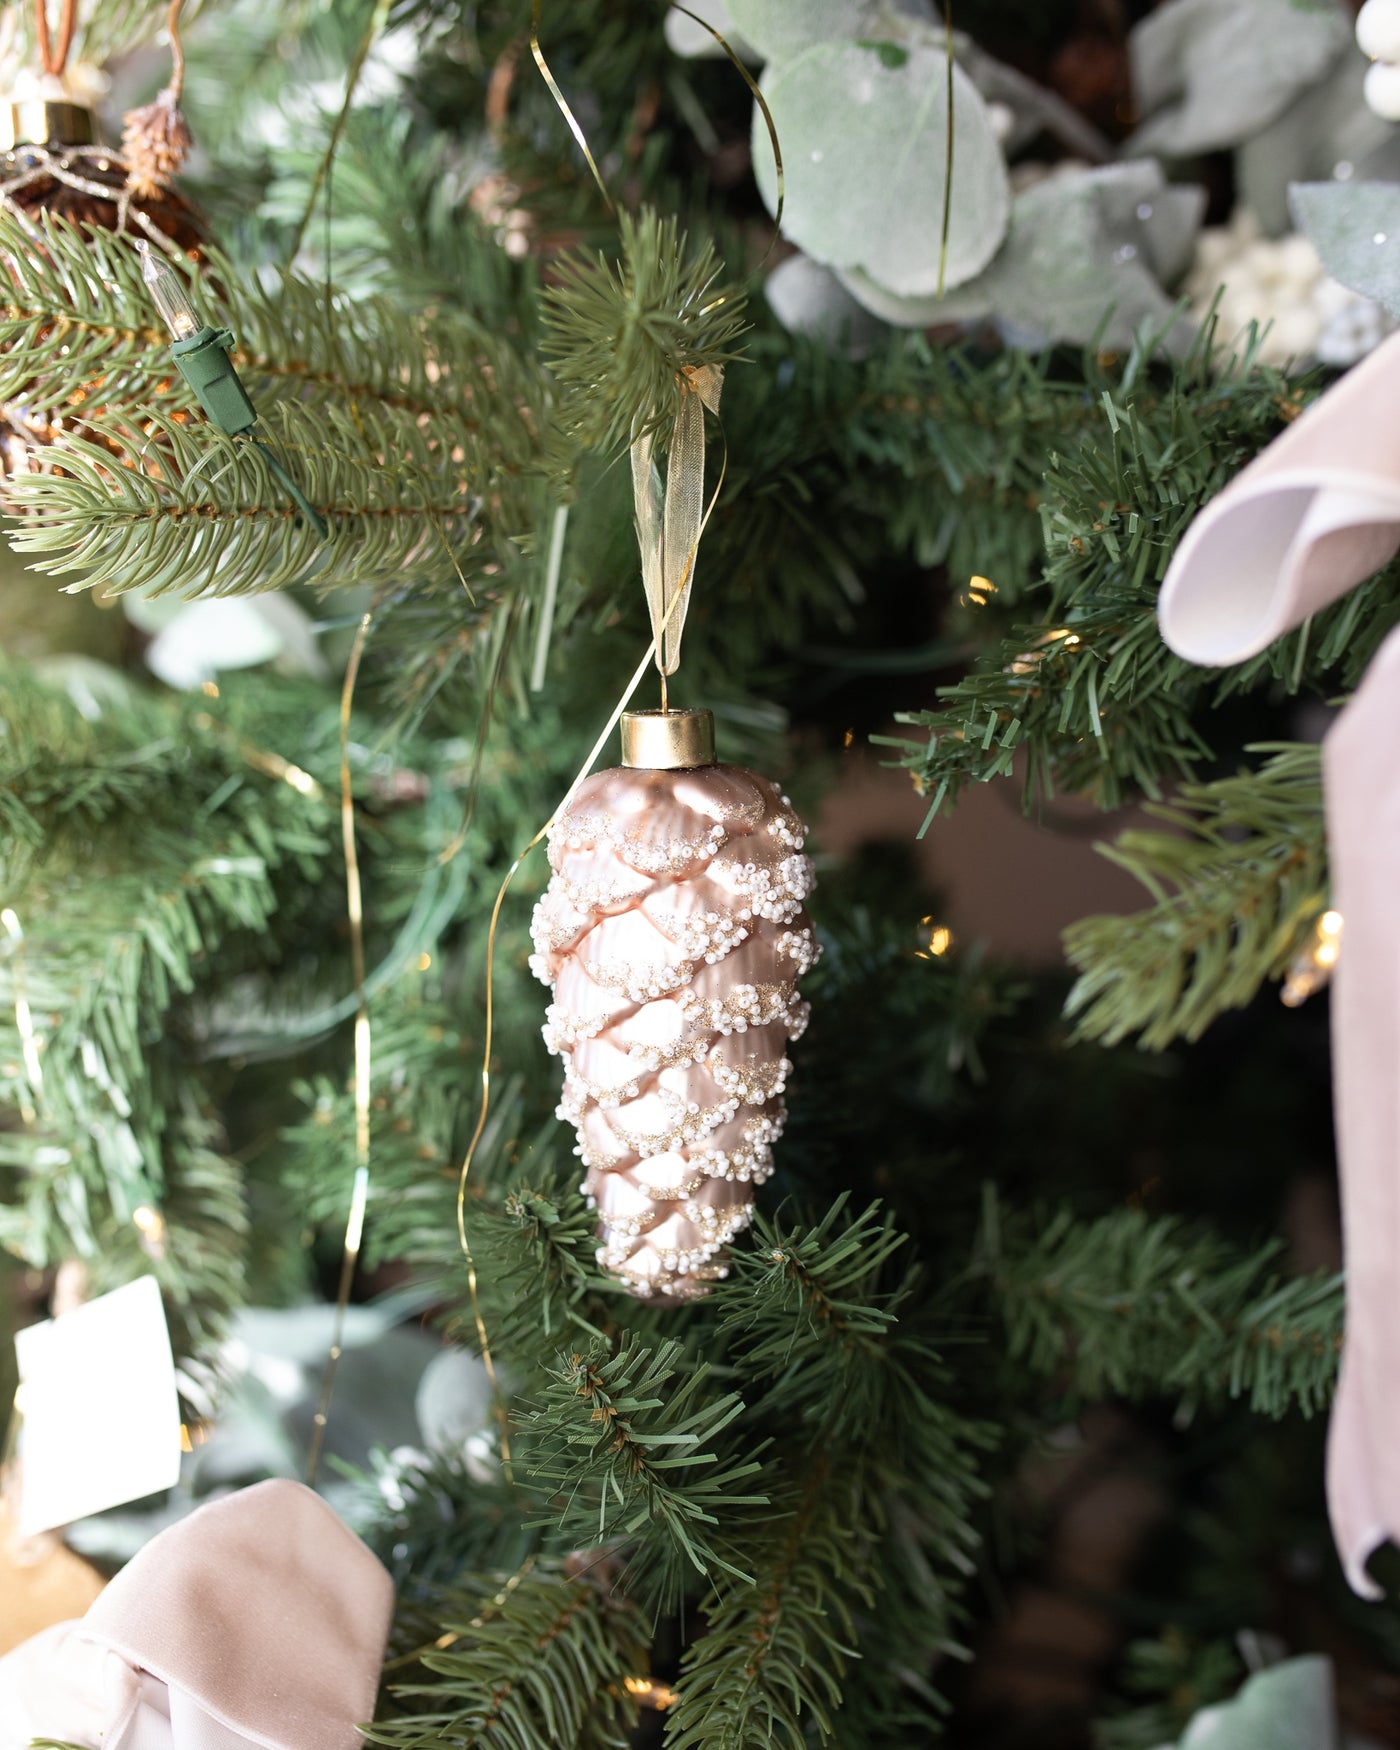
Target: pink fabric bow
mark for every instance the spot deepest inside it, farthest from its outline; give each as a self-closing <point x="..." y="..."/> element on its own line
<point x="1315" y="514"/>
<point x="258" y="1621"/>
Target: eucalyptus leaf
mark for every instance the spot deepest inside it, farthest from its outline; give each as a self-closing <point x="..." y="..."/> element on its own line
<point x="685" y="37"/>
<point x="781" y="29"/>
<point x="1209" y="73"/>
<point x="864" y="128"/>
<point x="193" y="641"/>
<point x="807" y="298"/>
<point x="1033" y="108"/>
<point x="1288" y="1707"/>
<point x="1328" y="133"/>
<point x="1083" y="246"/>
<point x="1355" y="228"/>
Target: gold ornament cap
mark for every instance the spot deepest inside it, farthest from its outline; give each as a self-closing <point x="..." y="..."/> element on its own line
<point x="668" y="741"/>
<point x="37" y="122"/>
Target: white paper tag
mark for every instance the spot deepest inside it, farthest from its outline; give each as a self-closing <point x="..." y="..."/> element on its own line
<point x="101" y="1413"/>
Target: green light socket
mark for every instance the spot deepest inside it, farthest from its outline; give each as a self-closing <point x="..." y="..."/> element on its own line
<point x="203" y="362"/>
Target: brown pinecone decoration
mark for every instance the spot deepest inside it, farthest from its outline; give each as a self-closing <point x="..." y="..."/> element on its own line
<point x="155" y="144"/>
<point x="672" y="934"/>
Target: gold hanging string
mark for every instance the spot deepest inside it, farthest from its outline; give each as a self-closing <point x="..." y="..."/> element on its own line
<point x="359" y="1195"/>
<point x="763" y="110"/>
<point x="563" y="104"/>
<point x="669" y="519"/>
<point x="948" y="167"/>
<point x="54" y="60"/>
<point x="551" y="597"/>
<point x="483" y="1111"/>
<point x="582" y="138"/>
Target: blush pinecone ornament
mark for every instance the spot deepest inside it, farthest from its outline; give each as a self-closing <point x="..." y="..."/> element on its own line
<point x="672" y="934"/>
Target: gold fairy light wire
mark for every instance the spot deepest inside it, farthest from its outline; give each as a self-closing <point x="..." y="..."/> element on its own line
<point x="29" y="1043"/>
<point x="359" y="1194"/>
<point x="378" y="18"/>
<point x="563" y="104"/>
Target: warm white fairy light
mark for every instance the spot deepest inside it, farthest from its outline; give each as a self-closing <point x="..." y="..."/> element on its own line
<point x="1314" y="962"/>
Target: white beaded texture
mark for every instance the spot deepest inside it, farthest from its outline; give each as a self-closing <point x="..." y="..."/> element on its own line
<point x="672" y="935"/>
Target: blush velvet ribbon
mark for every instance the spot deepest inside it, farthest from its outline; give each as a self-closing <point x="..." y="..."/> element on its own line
<point x="258" y="1621"/>
<point x="1312" y="516"/>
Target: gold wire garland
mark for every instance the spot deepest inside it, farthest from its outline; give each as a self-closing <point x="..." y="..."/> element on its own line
<point x="359" y="1193"/>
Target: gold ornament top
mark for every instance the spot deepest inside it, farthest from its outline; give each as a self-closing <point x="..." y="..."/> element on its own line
<point x="668" y="741"/>
<point x="36" y="122"/>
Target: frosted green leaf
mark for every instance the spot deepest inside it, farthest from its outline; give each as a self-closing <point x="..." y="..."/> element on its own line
<point x="1328" y="132"/>
<point x="864" y="134"/>
<point x="1288" y="1707"/>
<point x="781" y="29"/>
<point x="1080" y="245"/>
<point x="1209" y="73"/>
<point x="1355" y="228"/>
<point x="685" y="37"/>
<point x="809" y="299"/>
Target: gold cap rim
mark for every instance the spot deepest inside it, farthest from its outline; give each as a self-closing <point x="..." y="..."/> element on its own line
<point x="40" y="121"/>
<point x="668" y="741"/>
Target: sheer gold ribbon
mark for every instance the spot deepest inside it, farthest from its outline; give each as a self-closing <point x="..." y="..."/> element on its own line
<point x="670" y="516"/>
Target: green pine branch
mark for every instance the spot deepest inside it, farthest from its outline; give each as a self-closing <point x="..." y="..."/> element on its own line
<point x="175" y="508"/>
<point x="633" y="1442"/>
<point x="769" y="1666"/>
<point x="619" y="336"/>
<point x="544" y="1276"/>
<point x="1236" y="887"/>
<point x="1088" y="692"/>
<point x="119" y="927"/>
<point x="535" y="1660"/>
<point x="78" y="330"/>
<point x="846" y="1347"/>
<point x="1136" y="1306"/>
<point x="806" y="1311"/>
<point x="415" y="435"/>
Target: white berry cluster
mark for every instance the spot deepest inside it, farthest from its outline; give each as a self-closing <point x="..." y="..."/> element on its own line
<point x="1378" y="33"/>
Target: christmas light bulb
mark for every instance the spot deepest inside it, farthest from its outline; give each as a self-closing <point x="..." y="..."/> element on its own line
<point x="169" y="295"/>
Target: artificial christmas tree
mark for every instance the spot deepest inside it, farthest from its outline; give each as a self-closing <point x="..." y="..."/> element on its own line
<point x="1025" y="1351"/>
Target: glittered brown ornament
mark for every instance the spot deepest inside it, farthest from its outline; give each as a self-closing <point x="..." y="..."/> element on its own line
<point x="50" y="164"/>
<point x="673" y="933"/>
